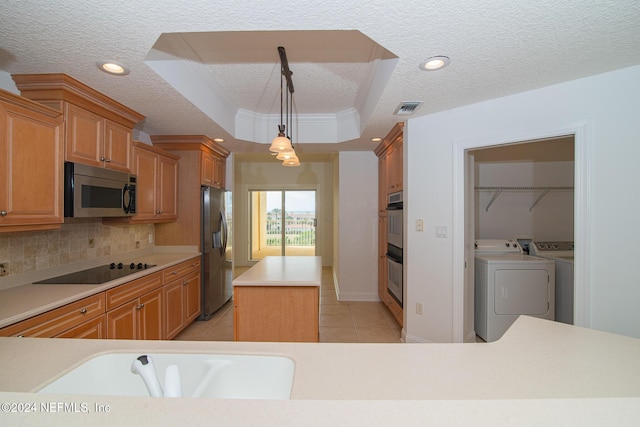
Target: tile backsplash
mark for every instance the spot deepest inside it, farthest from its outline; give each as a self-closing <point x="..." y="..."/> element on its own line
<point x="77" y="240"/>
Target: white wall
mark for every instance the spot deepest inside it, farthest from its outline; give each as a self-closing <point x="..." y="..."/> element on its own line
<point x="605" y="110"/>
<point x="357" y="224"/>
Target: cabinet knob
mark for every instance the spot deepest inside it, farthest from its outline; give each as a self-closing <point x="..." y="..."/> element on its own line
<point x="174" y="272"/>
<point x="3" y="213"/>
<point x="102" y="159"/>
<point x="140" y="307"/>
<point x="83" y="311"/>
<point x="107" y="160"/>
<point x="185" y="283"/>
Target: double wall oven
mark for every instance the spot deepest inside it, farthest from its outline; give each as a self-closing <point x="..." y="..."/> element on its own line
<point x="394" y="246"/>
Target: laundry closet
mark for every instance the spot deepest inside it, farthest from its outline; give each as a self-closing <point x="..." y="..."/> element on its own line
<point x="523" y="206"/>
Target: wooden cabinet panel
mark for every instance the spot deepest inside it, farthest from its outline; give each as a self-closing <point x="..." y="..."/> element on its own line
<point x="182" y="269"/>
<point x="174" y="309"/>
<point x="117" y="146"/>
<point x="122" y="322"/>
<point x="58" y="320"/>
<point x="132" y="290"/>
<point x="31" y="165"/>
<point x="181" y="296"/>
<point x="150" y="316"/>
<point x="212" y="170"/>
<point x="137" y="319"/>
<point x="94" y="329"/>
<point x="84" y="133"/>
<point x="208" y="166"/>
<point x="167" y="190"/>
<point x="157" y="186"/>
<point x="276" y="313"/>
<point x="192" y="295"/>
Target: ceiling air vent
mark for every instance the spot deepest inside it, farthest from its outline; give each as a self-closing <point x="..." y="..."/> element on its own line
<point x="407" y="108"/>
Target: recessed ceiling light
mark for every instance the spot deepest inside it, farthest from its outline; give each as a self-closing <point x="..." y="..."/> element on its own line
<point x="113" y="67"/>
<point x="434" y="63"/>
<point x="376" y="139"/>
<point x="218" y="139"/>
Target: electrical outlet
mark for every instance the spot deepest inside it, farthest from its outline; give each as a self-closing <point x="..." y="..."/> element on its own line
<point x="4" y="269"/>
<point x="418" y="308"/>
<point x="419" y="224"/>
<point x="150" y="237"/>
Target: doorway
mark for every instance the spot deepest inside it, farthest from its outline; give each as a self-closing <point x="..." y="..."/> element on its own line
<point x="463" y="245"/>
<point x="282" y="223"/>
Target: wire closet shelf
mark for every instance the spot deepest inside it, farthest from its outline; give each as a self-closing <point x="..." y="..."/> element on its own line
<point x="499" y="190"/>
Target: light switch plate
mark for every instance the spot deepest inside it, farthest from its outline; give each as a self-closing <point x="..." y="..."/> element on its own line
<point x="441" y="231"/>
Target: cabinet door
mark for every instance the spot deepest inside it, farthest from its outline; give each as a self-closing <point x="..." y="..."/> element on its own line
<point x="167" y="185"/>
<point x="31" y="171"/>
<point x="145" y="166"/>
<point x="93" y="329"/>
<point x="84" y="134"/>
<point x="219" y="173"/>
<point x="117" y="146"/>
<point x="207" y="169"/>
<point x="122" y="322"/>
<point x="174" y="308"/>
<point x="191" y="288"/>
<point x="150" y="316"/>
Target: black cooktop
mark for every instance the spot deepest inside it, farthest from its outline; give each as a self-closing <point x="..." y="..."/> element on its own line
<point x="96" y="275"/>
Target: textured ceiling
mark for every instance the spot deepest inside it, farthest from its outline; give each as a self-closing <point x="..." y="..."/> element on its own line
<point x="497" y="48"/>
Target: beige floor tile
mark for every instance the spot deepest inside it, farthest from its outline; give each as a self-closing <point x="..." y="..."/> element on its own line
<point x="335" y="309"/>
<point x="218" y="333"/>
<point x="374" y="334"/>
<point x="328" y="297"/>
<point x="329" y="334"/>
<point x="336" y="320"/>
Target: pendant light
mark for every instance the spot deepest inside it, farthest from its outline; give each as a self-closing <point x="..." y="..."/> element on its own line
<point x="281" y="144"/>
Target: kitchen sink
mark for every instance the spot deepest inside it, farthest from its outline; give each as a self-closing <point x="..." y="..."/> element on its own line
<point x="202" y="376"/>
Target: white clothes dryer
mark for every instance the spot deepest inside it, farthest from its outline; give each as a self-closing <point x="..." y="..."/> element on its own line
<point x="562" y="254"/>
<point x="508" y="284"/>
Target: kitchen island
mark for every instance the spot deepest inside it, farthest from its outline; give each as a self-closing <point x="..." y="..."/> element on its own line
<point x="278" y="300"/>
<point x="539" y="373"/>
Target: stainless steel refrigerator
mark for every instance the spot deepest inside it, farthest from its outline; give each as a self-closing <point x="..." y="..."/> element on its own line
<point x="215" y="239"/>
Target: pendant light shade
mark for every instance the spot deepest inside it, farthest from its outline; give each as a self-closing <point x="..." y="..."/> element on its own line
<point x="281" y="144"/>
<point x="286" y="155"/>
<point x="294" y="161"/>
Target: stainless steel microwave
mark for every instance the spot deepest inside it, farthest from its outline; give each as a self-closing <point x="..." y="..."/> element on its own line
<point x="91" y="192"/>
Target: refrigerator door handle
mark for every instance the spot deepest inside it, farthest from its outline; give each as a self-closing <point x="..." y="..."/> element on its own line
<point x="223" y="229"/>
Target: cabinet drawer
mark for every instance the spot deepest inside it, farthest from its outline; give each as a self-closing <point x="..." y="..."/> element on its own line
<point x="58" y="320"/>
<point x="132" y="290"/>
<point x="179" y="270"/>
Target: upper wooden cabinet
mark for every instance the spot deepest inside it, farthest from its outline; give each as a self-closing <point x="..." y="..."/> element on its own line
<point x="202" y="162"/>
<point x="213" y="169"/>
<point x="390" y="153"/>
<point x="157" y="187"/>
<point x="31" y="165"/>
<point x="97" y="128"/>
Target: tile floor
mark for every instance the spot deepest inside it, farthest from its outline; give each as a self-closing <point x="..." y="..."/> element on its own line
<point x="340" y="321"/>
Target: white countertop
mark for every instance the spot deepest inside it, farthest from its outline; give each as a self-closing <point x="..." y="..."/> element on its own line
<point x="539" y="373"/>
<point x="283" y="271"/>
<point x="21" y="302"/>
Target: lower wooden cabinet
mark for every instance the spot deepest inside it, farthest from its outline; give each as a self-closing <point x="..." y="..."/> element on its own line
<point x="182" y="303"/>
<point x="58" y="321"/>
<point x="138" y="314"/>
<point x="153" y="307"/>
<point x="95" y="328"/>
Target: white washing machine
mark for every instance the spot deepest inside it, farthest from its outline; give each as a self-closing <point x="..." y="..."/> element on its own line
<point x="509" y="283"/>
<point x="562" y="254"/>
